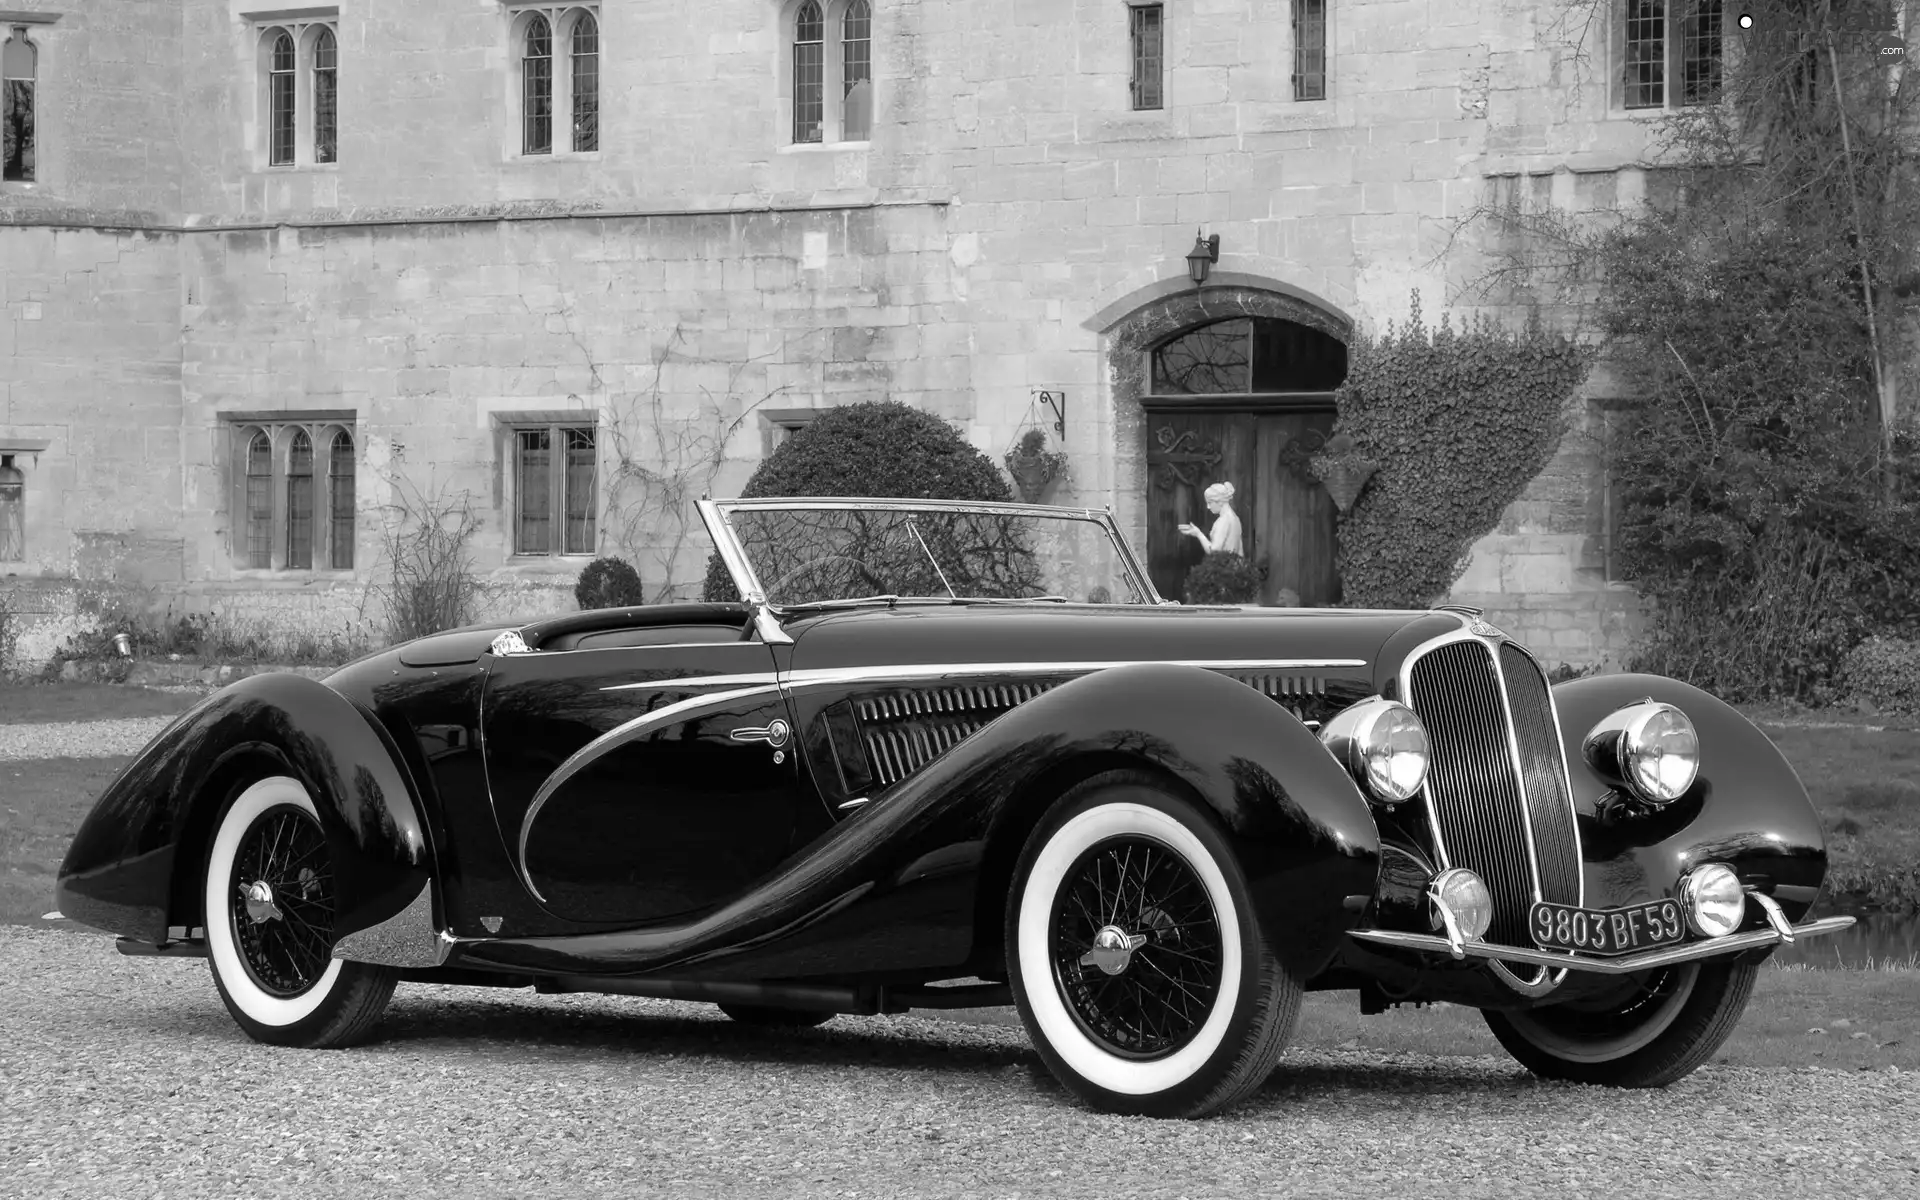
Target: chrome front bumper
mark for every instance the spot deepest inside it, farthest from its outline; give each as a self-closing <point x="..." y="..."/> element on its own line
<point x="1626" y="965"/>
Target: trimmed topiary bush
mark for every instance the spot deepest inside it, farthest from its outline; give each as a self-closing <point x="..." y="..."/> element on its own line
<point x="1223" y="578"/>
<point x="608" y="583"/>
<point x="878" y="448"/>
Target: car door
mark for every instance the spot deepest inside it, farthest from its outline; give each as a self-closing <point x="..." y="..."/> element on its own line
<point x="636" y="783"/>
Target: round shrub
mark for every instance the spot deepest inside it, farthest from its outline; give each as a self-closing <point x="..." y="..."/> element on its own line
<point x="878" y="448"/>
<point x="1223" y="578"/>
<point x="608" y="583"/>
<point x="1885" y="672"/>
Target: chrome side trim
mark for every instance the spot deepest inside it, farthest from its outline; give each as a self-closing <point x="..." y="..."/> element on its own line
<point x="1712" y="948"/>
<point x="916" y="672"/>
<point x="611" y="740"/>
<point x="692" y="681"/>
<point x="406" y="939"/>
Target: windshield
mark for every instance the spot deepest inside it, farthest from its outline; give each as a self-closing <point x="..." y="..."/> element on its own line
<point x="805" y="554"/>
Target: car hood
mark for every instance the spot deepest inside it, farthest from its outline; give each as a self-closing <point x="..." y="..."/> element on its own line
<point x="1348" y="641"/>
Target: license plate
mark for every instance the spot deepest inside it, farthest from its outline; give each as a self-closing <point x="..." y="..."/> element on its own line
<point x="1608" y="930"/>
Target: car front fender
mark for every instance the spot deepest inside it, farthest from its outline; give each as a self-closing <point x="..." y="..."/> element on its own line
<point x="1747" y="808"/>
<point x="154" y="819"/>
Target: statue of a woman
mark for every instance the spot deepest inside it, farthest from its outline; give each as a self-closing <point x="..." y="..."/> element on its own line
<point x="1226" y="522"/>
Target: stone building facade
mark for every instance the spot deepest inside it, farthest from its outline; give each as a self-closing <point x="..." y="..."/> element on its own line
<point x="279" y="276"/>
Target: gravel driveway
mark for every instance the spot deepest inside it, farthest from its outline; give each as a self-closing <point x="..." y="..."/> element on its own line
<point x="125" y="1077"/>
<point x="126" y="736"/>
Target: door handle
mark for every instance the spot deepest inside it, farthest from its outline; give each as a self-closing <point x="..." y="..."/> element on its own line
<point x="774" y="733"/>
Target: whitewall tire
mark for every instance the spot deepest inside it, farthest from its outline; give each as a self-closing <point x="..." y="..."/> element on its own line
<point x="269" y="904"/>
<point x="1135" y="957"/>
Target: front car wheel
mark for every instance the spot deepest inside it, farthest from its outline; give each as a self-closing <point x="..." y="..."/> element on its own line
<point x="1653" y="1029"/>
<point x="1135" y="957"/>
<point x="269" y="897"/>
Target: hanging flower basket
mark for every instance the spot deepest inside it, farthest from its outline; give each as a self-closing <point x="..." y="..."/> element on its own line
<point x="1033" y="466"/>
<point x="1343" y="470"/>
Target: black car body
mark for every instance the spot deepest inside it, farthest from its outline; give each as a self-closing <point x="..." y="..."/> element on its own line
<point x="800" y="807"/>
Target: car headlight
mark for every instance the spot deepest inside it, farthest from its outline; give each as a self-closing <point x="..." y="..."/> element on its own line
<point x="1649" y="748"/>
<point x="1383" y="744"/>
<point x="1714" y="900"/>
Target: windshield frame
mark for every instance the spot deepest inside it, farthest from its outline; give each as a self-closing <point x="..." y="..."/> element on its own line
<point x="718" y="517"/>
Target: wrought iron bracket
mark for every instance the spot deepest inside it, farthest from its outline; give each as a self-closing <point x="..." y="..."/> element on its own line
<point x="1057" y="402"/>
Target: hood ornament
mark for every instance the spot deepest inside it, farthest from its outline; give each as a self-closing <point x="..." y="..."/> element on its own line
<point x="1480" y="628"/>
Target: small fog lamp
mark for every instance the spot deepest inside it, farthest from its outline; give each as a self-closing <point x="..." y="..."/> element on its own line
<point x="1714" y="900"/>
<point x="1465" y="895"/>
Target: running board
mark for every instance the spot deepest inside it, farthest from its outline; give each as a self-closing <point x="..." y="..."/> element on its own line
<point x="1710" y="948"/>
<point x="862" y="1001"/>
<point x="140" y="949"/>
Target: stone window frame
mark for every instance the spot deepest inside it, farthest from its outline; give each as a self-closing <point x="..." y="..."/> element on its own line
<point x="13" y="510"/>
<point x="835" y="90"/>
<point x="1137" y="11"/>
<point x="32" y="28"/>
<point x="1297" y="14"/>
<point x="779" y="424"/>
<point x="280" y="430"/>
<point x="305" y="27"/>
<point x="1673" y="36"/>
<point x="507" y="427"/>
<point x="563" y="103"/>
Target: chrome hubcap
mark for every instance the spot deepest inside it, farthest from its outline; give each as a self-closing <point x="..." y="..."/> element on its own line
<point x="260" y="904"/>
<point x="1113" y="949"/>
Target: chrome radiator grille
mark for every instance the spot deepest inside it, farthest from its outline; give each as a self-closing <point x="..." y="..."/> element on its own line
<point x="1486" y="790"/>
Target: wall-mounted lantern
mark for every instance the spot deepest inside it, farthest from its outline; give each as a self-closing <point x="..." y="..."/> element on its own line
<point x="1200" y="260"/>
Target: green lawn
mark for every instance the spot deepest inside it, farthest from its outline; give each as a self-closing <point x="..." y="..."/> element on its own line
<point x="1864" y="776"/>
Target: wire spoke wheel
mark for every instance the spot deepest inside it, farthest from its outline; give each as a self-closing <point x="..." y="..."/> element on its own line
<point x="282" y="901"/>
<point x="1136" y="948"/>
<point x="271" y="900"/>
<point x="1135" y="954"/>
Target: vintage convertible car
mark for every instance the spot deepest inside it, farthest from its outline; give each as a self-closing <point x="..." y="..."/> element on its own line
<point x="945" y="755"/>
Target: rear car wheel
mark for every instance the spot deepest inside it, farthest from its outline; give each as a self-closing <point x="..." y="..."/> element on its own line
<point x="1654" y="1029"/>
<point x="1135" y="958"/>
<point x="269" y="900"/>
<point x="768" y="1017"/>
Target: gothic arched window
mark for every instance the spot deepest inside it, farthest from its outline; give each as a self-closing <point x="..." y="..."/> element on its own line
<point x="281" y="86"/>
<point x="536" y="87"/>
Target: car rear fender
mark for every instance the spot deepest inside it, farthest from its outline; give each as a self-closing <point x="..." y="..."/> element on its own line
<point x="134" y="866"/>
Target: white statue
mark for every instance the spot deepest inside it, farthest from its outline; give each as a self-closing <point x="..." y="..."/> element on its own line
<point x="1226" y="522"/>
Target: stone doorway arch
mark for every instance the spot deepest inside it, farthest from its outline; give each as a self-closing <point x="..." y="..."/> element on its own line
<point x="1246" y="430"/>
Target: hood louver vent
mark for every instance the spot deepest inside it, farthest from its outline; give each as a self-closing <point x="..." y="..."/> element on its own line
<point x="906" y="730"/>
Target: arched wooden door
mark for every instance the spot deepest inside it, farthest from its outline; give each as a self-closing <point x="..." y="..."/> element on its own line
<point x="1247" y="401"/>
